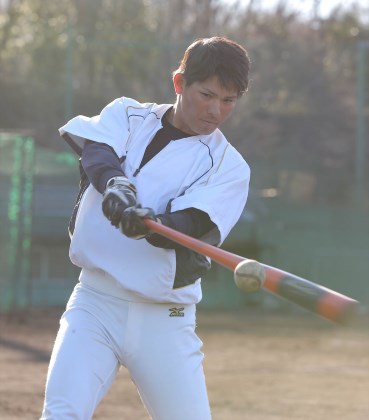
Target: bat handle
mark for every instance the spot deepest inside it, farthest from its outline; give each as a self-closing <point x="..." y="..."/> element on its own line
<point x="222" y="257"/>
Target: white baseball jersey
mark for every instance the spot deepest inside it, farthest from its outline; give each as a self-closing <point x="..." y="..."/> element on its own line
<point x="203" y="172"/>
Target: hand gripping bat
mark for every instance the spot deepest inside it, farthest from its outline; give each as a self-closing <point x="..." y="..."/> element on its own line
<point x="250" y="275"/>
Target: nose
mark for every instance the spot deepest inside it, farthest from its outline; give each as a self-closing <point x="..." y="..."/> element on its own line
<point x="214" y="108"/>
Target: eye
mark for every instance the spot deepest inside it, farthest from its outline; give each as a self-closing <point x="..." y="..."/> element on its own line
<point x="205" y="94"/>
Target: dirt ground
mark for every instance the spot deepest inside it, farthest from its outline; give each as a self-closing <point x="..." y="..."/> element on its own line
<point x="259" y="366"/>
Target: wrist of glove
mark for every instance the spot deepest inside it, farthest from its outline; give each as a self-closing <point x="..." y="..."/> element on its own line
<point x="131" y="223"/>
<point x="119" y="195"/>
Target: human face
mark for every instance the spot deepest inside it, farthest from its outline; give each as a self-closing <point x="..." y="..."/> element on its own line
<point x="203" y="106"/>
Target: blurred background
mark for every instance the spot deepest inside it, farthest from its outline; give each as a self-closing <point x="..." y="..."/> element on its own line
<point x="302" y="127"/>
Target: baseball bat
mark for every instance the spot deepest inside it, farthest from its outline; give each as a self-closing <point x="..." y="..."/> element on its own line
<point x="318" y="299"/>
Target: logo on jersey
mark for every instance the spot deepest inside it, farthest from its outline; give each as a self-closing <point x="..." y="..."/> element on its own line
<point x="176" y="312"/>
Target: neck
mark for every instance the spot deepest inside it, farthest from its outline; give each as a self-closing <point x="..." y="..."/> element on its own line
<point x="170" y="116"/>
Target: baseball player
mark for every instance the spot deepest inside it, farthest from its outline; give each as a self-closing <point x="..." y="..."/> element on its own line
<point x="135" y="302"/>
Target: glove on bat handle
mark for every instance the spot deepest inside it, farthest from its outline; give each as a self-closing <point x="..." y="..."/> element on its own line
<point x="318" y="299"/>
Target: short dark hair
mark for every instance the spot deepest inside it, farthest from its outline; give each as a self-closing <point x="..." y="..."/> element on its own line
<point x="216" y="56"/>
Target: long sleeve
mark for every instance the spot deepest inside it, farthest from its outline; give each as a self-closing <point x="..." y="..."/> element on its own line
<point x="100" y="163"/>
<point x="192" y="222"/>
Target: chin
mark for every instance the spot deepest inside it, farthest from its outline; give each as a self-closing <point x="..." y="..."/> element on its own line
<point x="207" y="128"/>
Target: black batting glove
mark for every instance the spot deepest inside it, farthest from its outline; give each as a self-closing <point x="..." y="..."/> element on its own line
<point x="131" y="222"/>
<point x="119" y="195"/>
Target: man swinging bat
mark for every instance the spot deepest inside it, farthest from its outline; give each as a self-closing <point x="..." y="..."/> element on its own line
<point x="135" y="302"/>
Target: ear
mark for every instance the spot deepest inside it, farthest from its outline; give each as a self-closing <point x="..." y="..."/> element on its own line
<point x="178" y="82"/>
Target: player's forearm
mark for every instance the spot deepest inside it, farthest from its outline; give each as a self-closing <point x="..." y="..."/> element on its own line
<point x="100" y="163"/>
<point x="192" y="222"/>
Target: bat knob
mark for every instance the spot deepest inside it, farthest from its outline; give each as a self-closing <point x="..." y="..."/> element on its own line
<point x="249" y="275"/>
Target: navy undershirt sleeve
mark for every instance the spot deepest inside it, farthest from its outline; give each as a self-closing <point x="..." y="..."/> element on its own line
<point x="192" y="222"/>
<point x="100" y="162"/>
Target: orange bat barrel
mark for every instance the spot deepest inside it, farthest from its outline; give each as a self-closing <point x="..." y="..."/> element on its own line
<point x="311" y="296"/>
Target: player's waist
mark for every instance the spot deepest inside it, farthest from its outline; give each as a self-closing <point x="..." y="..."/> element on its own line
<point x="104" y="283"/>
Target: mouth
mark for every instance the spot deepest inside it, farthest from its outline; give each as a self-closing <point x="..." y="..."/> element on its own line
<point x="212" y="123"/>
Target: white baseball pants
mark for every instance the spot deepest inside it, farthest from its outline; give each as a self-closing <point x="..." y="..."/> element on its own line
<point x="159" y="347"/>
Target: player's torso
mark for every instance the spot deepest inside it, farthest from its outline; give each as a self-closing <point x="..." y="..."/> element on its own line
<point x="175" y="168"/>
